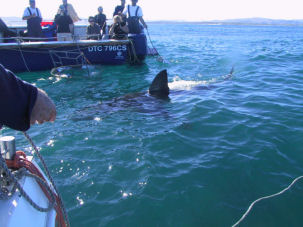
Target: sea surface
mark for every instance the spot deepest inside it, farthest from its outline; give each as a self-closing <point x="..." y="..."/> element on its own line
<point x="200" y="158"/>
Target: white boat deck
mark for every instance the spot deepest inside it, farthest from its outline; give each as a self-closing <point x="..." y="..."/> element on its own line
<point x="16" y="211"/>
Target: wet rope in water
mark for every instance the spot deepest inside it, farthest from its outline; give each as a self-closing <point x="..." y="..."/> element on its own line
<point x="263" y="198"/>
<point x="85" y="61"/>
<point x="132" y="50"/>
<point x="49" y="177"/>
<point x="160" y="58"/>
<point x="22" y="56"/>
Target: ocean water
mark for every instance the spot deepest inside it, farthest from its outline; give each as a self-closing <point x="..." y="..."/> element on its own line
<point x="199" y="158"/>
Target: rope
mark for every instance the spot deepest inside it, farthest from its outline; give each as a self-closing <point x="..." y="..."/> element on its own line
<point x="160" y="58"/>
<point x="53" y="71"/>
<point x="263" y="198"/>
<point x="21" y="53"/>
<point x="84" y="59"/>
<point x="136" y="59"/>
<point x="49" y="177"/>
<point x="22" y="192"/>
<point x="87" y="62"/>
<point x="5" y="194"/>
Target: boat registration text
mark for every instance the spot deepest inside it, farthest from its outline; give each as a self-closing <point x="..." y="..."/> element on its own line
<point x="107" y="48"/>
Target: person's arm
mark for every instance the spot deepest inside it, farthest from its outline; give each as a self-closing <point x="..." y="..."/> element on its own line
<point x="140" y="15"/>
<point x="125" y="11"/>
<point x="40" y="15"/>
<point x="104" y="24"/>
<point x="98" y="28"/>
<point x="73" y="13"/>
<point x="111" y="30"/>
<point x="44" y="109"/>
<point x="143" y="22"/>
<point x="124" y="28"/>
<point x="89" y="32"/>
<point x="22" y="103"/>
<point x="70" y="21"/>
<point x="115" y="11"/>
<point x="27" y="16"/>
<point x="56" y="20"/>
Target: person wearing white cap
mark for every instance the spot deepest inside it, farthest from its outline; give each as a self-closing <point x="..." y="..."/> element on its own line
<point x="100" y="19"/>
<point x="33" y="17"/>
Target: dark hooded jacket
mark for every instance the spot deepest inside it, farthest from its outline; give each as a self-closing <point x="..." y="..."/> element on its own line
<point x="17" y="100"/>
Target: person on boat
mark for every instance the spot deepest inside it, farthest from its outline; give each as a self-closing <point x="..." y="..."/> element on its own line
<point x="70" y="11"/>
<point x="34" y="18"/>
<point x="119" y="9"/>
<point x="134" y="15"/>
<point x="119" y="29"/>
<point x="93" y="30"/>
<point x="23" y="104"/>
<point x="100" y="19"/>
<point x="64" y="23"/>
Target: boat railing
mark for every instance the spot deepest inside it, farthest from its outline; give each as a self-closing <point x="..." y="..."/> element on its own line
<point x="20" y="39"/>
<point x="41" y="39"/>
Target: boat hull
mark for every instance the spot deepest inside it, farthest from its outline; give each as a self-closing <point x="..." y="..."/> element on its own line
<point x="17" y="211"/>
<point x="38" y="56"/>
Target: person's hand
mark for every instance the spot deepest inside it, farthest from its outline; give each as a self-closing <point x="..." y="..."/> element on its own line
<point x="44" y="109"/>
<point x="34" y="15"/>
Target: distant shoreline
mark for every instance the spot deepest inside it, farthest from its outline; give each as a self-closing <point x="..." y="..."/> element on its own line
<point x="240" y="22"/>
<point x="225" y="23"/>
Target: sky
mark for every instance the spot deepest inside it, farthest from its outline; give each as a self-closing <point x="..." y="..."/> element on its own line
<point x="188" y="10"/>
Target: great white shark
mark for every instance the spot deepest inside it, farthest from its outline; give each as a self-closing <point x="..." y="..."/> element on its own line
<point x="159" y="86"/>
<point x="150" y="102"/>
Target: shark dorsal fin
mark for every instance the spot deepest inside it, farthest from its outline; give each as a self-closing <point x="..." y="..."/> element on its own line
<point x="159" y="86"/>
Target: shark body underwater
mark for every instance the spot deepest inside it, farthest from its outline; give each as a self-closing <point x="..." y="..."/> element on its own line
<point x="151" y="102"/>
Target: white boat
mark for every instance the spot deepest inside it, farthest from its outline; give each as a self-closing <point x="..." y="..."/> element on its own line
<point x="28" y="196"/>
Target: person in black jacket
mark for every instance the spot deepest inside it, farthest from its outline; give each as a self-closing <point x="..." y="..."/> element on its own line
<point x="64" y="23"/>
<point x="100" y="19"/>
<point x="22" y="104"/>
<point x="119" y="29"/>
<point x="119" y="9"/>
<point x="93" y="30"/>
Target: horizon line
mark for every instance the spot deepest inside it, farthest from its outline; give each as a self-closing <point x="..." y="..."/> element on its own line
<point x="203" y="21"/>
